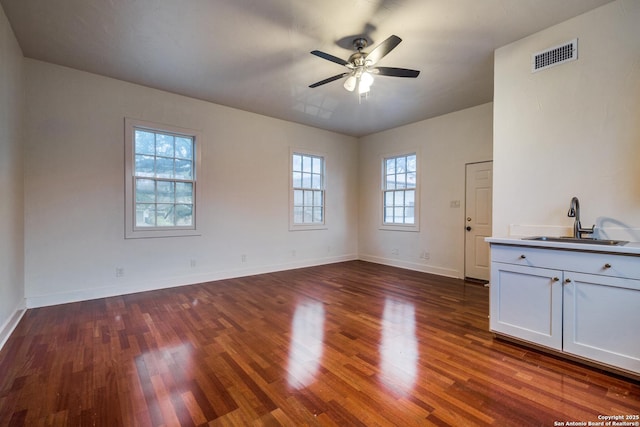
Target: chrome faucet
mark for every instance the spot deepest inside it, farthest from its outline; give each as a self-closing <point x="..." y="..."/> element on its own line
<point x="574" y="212"/>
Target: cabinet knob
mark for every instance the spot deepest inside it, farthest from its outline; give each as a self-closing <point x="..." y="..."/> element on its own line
<point x="555" y="279"/>
<point x="567" y="280"/>
<point x="523" y="256"/>
<point x="607" y="265"/>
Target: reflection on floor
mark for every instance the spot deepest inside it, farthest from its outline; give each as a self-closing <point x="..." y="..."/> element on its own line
<point x="305" y="349"/>
<point x="399" y="346"/>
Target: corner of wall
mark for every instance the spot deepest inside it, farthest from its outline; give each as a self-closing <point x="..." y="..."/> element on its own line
<point x="12" y="101"/>
<point x="10" y="324"/>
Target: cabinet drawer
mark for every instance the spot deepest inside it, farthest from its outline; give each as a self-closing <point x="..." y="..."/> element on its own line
<point x="521" y="255"/>
<point x="605" y="264"/>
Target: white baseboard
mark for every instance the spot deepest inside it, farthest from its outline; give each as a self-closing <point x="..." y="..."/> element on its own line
<point x="10" y="325"/>
<point x="424" y="268"/>
<point x="34" y="301"/>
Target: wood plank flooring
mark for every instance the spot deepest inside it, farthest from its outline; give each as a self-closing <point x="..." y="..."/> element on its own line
<point x="348" y="344"/>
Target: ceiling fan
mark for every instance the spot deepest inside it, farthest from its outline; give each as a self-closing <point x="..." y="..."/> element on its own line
<point x="361" y="65"/>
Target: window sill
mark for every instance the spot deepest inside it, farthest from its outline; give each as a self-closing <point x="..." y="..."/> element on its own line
<point x="309" y="227"/>
<point x="400" y="227"/>
<point x="151" y="234"/>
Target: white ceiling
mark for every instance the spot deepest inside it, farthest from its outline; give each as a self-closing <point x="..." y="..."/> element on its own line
<point x="254" y="54"/>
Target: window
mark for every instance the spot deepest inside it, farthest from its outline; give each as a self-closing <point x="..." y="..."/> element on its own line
<point x="161" y="190"/>
<point x="307" y="191"/>
<point x="399" y="193"/>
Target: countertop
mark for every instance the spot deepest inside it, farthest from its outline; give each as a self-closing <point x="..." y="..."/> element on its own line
<point x="631" y="248"/>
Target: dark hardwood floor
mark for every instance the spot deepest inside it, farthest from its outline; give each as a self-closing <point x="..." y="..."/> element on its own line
<point x="344" y="344"/>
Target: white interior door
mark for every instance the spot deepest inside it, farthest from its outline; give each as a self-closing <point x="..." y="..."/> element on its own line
<point x="478" y="220"/>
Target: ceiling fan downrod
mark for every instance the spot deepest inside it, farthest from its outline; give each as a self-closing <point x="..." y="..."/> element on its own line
<point x="360" y="43"/>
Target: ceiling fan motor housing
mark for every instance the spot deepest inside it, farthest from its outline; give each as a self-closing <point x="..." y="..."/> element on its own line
<point x="357" y="59"/>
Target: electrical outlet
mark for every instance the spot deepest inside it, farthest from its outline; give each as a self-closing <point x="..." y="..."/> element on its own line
<point x="192" y="263"/>
<point x="425" y="255"/>
<point x="395" y="251"/>
<point x="293" y="253"/>
<point x="243" y="258"/>
<point x="119" y="271"/>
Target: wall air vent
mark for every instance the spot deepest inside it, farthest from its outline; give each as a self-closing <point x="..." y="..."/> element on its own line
<point x="554" y="56"/>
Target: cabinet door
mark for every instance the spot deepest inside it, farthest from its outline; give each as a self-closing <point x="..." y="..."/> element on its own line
<point x="526" y="303"/>
<point x="602" y="319"/>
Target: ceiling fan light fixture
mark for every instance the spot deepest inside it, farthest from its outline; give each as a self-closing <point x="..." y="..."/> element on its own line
<point x="359" y="79"/>
<point x="350" y="83"/>
<point x="364" y="83"/>
<point x="366" y="78"/>
<point x="363" y="89"/>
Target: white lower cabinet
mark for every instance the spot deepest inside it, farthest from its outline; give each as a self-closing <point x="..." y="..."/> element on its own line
<point x="582" y="304"/>
<point x="526" y="302"/>
<point x="602" y="319"/>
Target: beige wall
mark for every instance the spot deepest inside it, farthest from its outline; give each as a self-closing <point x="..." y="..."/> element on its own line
<point x="74" y="178"/>
<point x="74" y="190"/>
<point x="573" y="129"/>
<point x="444" y="145"/>
<point x="11" y="186"/>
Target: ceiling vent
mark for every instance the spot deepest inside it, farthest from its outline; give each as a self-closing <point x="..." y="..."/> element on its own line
<point x="554" y="56"/>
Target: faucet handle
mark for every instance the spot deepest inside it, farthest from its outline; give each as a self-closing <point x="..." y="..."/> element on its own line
<point x="571" y="213"/>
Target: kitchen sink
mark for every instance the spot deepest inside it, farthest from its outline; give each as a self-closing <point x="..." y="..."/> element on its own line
<point x="576" y="240"/>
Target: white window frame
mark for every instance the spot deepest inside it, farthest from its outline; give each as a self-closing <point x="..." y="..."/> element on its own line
<point x="133" y="232"/>
<point x="416" y="208"/>
<point x="293" y="226"/>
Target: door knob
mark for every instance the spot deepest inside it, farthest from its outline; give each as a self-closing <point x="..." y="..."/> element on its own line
<point x="468" y="228"/>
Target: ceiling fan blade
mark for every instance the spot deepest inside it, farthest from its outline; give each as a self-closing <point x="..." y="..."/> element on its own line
<point x="382" y="49"/>
<point x="395" y="72"/>
<point x="329" y="80"/>
<point x="329" y="57"/>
